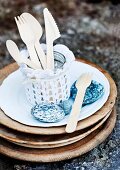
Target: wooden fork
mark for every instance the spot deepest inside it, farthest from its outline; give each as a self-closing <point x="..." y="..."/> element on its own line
<point x="28" y="38"/>
<point x="82" y="83"/>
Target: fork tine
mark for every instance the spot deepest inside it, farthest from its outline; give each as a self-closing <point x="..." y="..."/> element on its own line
<point x="88" y="76"/>
<point x="23" y="19"/>
<point x="20" y="20"/>
<point x="16" y="22"/>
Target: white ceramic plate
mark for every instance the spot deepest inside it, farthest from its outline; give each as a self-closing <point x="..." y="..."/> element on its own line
<point x="15" y="105"/>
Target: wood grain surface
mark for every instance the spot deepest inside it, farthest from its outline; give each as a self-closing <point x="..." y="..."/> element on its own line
<point x="6" y="121"/>
<point x="61" y="153"/>
<point x="49" y="141"/>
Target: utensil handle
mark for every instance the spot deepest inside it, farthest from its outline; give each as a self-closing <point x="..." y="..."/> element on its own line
<point x="33" y="55"/>
<point x="30" y="64"/>
<point x="41" y="54"/>
<point x="50" y="55"/>
<point x="76" y="108"/>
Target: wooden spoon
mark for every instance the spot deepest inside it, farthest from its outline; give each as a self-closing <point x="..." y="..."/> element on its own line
<point x="15" y="53"/>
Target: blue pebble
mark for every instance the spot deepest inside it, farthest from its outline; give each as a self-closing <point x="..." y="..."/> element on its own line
<point x="67" y="105"/>
<point x="93" y="93"/>
<point x="48" y="113"/>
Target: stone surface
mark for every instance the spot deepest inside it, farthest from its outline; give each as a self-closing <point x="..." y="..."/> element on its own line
<point x="49" y="113"/>
<point x="94" y="92"/>
<point x="91" y="31"/>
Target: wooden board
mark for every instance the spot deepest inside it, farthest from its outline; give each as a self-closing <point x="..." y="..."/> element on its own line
<point x="49" y="141"/>
<point x="61" y="153"/>
<point x="5" y="120"/>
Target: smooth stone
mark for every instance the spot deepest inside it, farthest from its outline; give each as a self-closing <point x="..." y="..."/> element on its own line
<point x="48" y="113"/>
<point x="94" y="92"/>
<point x="67" y="105"/>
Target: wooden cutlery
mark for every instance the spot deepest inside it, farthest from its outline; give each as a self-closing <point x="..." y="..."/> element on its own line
<point x="15" y="53"/>
<point x="28" y="38"/>
<point x="82" y="83"/>
<point x="52" y="33"/>
<point x="31" y="31"/>
<point x="37" y="31"/>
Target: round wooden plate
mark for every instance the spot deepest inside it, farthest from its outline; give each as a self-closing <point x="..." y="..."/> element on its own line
<point x="61" y="153"/>
<point x="5" y="120"/>
<point x="49" y="141"/>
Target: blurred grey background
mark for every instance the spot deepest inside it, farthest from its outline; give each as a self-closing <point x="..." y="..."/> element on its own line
<point x="91" y="29"/>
